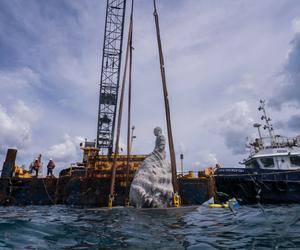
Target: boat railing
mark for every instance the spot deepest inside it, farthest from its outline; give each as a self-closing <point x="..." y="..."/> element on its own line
<point x="274" y="142"/>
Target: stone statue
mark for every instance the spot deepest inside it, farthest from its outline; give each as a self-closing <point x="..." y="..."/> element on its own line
<point x="160" y="144"/>
<point x="152" y="183"/>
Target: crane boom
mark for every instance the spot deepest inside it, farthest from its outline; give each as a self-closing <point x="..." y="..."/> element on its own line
<point x="110" y="73"/>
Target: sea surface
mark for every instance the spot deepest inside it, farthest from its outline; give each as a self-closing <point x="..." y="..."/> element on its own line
<point x="61" y="227"/>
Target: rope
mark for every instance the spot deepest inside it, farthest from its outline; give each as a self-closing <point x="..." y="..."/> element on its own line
<point x="56" y="190"/>
<point x="49" y="197"/>
<point x="256" y="174"/>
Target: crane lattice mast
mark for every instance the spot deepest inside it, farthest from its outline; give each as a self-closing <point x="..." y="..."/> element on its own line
<point x="110" y="73"/>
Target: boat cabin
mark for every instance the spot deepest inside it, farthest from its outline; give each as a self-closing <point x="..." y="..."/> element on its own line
<point x="275" y="159"/>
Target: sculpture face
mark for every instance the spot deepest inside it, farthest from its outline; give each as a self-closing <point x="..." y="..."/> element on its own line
<point x="157" y="131"/>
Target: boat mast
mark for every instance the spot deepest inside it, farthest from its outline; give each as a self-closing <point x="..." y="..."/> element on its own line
<point x="268" y="124"/>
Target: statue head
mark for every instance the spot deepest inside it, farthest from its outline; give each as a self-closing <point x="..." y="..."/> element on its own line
<point x="157" y="131"/>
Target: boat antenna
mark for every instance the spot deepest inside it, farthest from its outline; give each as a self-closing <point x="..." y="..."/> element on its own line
<point x="267" y="119"/>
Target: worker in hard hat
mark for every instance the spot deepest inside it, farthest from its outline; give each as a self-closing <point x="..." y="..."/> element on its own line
<point x="36" y="166"/>
<point x="50" y="167"/>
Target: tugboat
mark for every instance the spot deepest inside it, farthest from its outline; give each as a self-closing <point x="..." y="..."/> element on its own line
<point x="272" y="171"/>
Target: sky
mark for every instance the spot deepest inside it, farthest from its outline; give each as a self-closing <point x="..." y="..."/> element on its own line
<point x="221" y="58"/>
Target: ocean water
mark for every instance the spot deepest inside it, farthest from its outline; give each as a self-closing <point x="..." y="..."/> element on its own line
<point x="61" y="227"/>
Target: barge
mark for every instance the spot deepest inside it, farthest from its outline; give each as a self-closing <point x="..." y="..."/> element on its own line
<point x="87" y="183"/>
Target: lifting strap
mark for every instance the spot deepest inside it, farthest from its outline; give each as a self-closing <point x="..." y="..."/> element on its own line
<point x="176" y="198"/>
<point x="116" y="152"/>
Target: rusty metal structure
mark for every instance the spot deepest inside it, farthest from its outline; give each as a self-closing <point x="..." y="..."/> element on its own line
<point x="110" y="73"/>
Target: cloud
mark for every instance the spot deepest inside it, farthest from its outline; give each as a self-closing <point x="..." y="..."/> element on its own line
<point x="293" y="123"/>
<point x="16" y="126"/>
<point x="296" y="25"/>
<point x="249" y="84"/>
<point x="182" y="149"/>
<point x="288" y="90"/>
<point x="66" y="151"/>
<point x="235" y="127"/>
<point x="235" y="141"/>
<point x="26" y="113"/>
<point x="205" y="158"/>
<point x="19" y="78"/>
<point x="222" y="54"/>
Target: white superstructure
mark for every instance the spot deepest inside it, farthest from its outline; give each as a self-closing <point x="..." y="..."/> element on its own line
<point x="274" y="152"/>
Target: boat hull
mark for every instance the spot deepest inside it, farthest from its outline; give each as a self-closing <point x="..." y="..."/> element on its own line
<point x="252" y="186"/>
<point x="88" y="185"/>
<point x="87" y="191"/>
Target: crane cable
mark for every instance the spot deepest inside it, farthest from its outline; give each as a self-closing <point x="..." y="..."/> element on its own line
<point x="129" y="110"/>
<point x="116" y="153"/>
<point x="176" y="197"/>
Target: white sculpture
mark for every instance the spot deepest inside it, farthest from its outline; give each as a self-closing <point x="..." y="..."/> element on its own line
<point x="152" y="183"/>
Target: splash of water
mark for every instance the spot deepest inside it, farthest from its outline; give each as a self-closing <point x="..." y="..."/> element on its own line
<point x="152" y="183"/>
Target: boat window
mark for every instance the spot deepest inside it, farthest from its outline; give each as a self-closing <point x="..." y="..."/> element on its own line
<point x="255" y="164"/>
<point x="267" y="162"/>
<point x="252" y="164"/>
<point x="295" y="161"/>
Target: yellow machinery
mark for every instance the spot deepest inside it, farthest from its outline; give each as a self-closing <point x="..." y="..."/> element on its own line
<point x="206" y="173"/>
<point x="100" y="166"/>
<point x="19" y="172"/>
<point x="190" y="174"/>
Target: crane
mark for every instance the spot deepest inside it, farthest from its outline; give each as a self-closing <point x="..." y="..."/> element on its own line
<point x="176" y="197"/>
<point x="110" y="74"/>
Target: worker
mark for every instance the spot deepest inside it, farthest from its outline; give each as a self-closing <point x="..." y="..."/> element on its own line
<point x="36" y="166"/>
<point x="50" y="167"/>
<point x="217" y="166"/>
